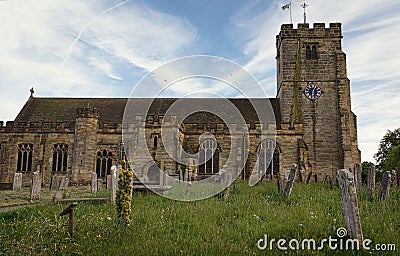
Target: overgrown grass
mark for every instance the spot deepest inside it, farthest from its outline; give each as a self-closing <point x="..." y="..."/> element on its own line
<point x="208" y="227"/>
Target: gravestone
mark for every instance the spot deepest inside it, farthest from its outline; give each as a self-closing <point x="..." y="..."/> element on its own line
<point x="58" y="196"/>
<point x="189" y="188"/>
<point x="17" y="185"/>
<point x="228" y="180"/>
<point x="63" y="183"/>
<point x="371" y="181"/>
<point x="280" y="183"/>
<point x="113" y="184"/>
<point x="351" y="213"/>
<point x="35" y="186"/>
<point x="357" y="176"/>
<point x="56" y="182"/>
<point x="181" y="172"/>
<point x="395" y="178"/>
<point x="99" y="184"/>
<point x="385" y="185"/>
<point x="309" y="177"/>
<point x="325" y="180"/>
<point x="289" y="183"/>
<point x="108" y="182"/>
<point x="330" y="183"/>
<point x="94" y="182"/>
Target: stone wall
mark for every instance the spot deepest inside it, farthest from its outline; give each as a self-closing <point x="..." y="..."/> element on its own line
<point x="329" y="126"/>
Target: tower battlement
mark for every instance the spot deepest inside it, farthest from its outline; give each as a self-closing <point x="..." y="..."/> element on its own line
<point x="304" y="30"/>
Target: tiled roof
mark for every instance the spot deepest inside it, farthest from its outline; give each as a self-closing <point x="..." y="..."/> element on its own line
<point x="111" y="110"/>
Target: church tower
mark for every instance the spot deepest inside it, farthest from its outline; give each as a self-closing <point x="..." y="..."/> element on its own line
<point x="314" y="91"/>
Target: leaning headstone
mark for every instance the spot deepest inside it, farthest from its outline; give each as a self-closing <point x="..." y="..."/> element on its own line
<point x="385" y="185"/>
<point x="351" y="213"/>
<point x="357" y="176"/>
<point x="371" y="181"/>
<point x="35" y="186"/>
<point x="289" y="183"/>
<point x="17" y="185"/>
<point x="94" y="182"/>
<point x="63" y="183"/>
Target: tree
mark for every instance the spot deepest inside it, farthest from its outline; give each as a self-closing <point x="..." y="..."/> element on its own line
<point x="364" y="173"/>
<point x="387" y="143"/>
<point x="393" y="159"/>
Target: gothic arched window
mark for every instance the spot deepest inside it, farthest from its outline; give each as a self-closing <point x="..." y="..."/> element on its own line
<point x="266" y="151"/>
<point x="24" y="163"/>
<point x="103" y="163"/>
<point x="208" y="157"/>
<point x="60" y="157"/>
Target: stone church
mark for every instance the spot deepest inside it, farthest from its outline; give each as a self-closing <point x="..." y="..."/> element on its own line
<point x="315" y="127"/>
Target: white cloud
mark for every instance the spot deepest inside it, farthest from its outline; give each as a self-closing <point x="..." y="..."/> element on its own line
<point x="38" y="35"/>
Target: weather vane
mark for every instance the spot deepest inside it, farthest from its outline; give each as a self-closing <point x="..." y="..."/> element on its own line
<point x="304" y="5"/>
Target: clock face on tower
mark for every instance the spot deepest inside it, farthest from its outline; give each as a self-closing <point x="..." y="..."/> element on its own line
<point x="313" y="91"/>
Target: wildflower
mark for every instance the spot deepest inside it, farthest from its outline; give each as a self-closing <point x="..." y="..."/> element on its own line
<point x="256" y="217"/>
<point x="108" y="218"/>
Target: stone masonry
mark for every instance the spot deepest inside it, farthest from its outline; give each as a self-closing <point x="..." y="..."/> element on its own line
<point x="75" y="137"/>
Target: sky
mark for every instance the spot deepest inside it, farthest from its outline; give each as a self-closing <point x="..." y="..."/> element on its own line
<point x="103" y="48"/>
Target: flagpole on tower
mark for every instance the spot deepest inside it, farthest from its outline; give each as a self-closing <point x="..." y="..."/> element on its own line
<point x="304" y="5"/>
<point x="288" y="6"/>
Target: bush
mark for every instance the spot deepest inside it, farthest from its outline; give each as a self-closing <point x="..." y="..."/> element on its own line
<point x="123" y="195"/>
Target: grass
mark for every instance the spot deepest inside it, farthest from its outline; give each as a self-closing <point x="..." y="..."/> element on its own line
<point x="207" y="227"/>
<point x="9" y="198"/>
